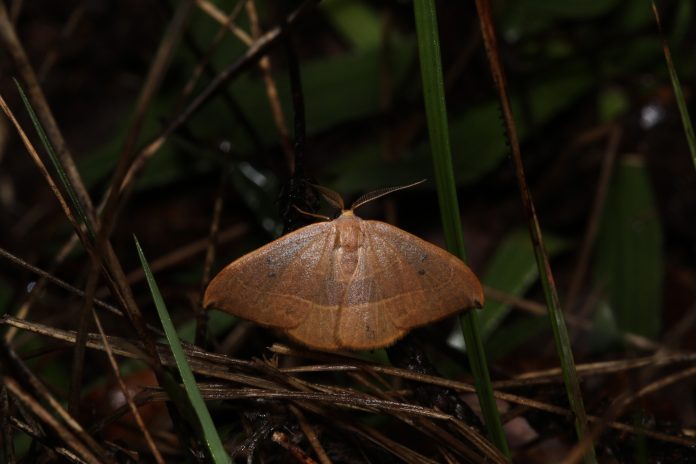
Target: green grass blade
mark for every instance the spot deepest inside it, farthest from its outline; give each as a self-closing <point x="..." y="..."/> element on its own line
<point x="678" y="94"/>
<point x="556" y="318"/>
<point x="57" y="164"/>
<point x="438" y="129"/>
<point x="207" y="427"/>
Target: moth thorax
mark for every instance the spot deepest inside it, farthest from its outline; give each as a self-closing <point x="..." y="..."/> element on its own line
<point x="349" y="234"/>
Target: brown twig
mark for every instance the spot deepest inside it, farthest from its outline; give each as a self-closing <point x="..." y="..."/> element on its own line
<point x="54" y="52"/>
<point x="251" y="56"/>
<point x="37" y="98"/>
<point x="464" y="387"/>
<point x="204" y="62"/>
<point x="79" y="348"/>
<point x="13" y="364"/>
<point x="152" y="83"/>
<point x="281" y="439"/>
<point x="618" y="407"/>
<point x="556" y="317"/>
<point x="226" y="21"/>
<point x="209" y="365"/>
<point x="126" y="391"/>
<point x="50" y="278"/>
<point x="7" y="438"/>
<point x="593" y="223"/>
<point x="310" y="434"/>
<point x="271" y="90"/>
<point x="115" y="276"/>
<point x="538" y="309"/>
<point x="66" y="435"/>
<point x="41" y="166"/>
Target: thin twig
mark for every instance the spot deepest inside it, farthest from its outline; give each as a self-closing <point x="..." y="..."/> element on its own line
<point x="204" y="62"/>
<point x="126" y="391"/>
<point x="281" y="439"/>
<point x="311" y="435"/>
<point x="465" y="387"/>
<point x="14" y="364"/>
<point x="66" y="435"/>
<point x="253" y="53"/>
<point x="271" y="89"/>
<point x="593" y="223"/>
<point x="218" y="15"/>
<point x="54" y="52"/>
<point x="11" y="43"/>
<point x="152" y="83"/>
<point x="7" y="437"/>
<point x="115" y="276"/>
<point x="201" y="312"/>
<point x="556" y="317"/>
<point x="618" y="407"/>
<point x="78" y="360"/>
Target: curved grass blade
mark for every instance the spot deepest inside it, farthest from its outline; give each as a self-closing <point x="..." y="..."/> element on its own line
<point x="438" y="129"/>
<point x="205" y="424"/>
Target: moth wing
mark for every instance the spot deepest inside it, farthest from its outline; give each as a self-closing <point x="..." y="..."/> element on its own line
<point x="417" y="281"/>
<point x="365" y="320"/>
<point x="276" y="285"/>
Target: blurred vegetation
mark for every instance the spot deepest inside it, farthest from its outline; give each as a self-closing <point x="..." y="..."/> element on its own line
<point x="579" y="73"/>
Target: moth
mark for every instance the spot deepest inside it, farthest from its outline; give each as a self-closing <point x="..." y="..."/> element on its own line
<point x="346" y="283"/>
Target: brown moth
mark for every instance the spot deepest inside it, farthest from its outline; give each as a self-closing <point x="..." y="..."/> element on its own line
<point x="346" y="283"/>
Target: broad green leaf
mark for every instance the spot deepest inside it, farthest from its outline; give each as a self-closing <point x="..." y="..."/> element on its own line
<point x="336" y="90"/>
<point x="512" y="270"/>
<point x="509" y="337"/>
<point x="356" y="21"/>
<point x="477" y="141"/>
<point x="629" y="264"/>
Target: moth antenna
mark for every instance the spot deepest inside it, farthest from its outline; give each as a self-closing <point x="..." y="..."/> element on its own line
<point x="330" y="196"/>
<point x="314" y="215"/>
<point x="380" y="193"/>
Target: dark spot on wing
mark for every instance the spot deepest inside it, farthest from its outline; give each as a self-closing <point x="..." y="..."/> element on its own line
<point x="421" y="272"/>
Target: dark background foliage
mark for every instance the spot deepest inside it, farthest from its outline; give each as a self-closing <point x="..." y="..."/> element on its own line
<point x="588" y="82"/>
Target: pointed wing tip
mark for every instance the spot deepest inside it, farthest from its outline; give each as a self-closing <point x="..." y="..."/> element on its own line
<point x="479" y="298"/>
<point x="208" y="294"/>
<point x="211" y="296"/>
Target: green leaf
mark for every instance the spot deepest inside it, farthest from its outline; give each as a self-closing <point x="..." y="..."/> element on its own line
<point x="508" y="338"/>
<point x="513" y="269"/>
<point x="629" y="265"/>
<point x="336" y="90"/>
<point x="477" y="143"/>
<point x="204" y="422"/>
<point x="356" y="21"/>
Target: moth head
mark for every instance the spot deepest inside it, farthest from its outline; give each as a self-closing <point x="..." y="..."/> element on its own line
<point x="336" y="201"/>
